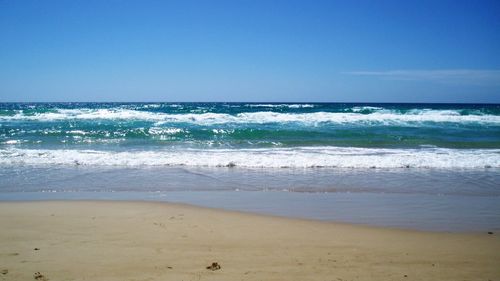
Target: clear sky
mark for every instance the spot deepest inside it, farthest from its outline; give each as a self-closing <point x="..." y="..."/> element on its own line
<point x="250" y="50"/>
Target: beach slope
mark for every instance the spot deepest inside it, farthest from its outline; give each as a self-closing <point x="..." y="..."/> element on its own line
<point x="86" y="240"/>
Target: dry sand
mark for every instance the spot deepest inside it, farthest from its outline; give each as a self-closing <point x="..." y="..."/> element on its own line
<point x="157" y="241"/>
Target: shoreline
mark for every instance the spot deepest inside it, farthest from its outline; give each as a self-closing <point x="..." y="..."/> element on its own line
<point x="138" y="240"/>
<point x="199" y="208"/>
<point x="420" y="212"/>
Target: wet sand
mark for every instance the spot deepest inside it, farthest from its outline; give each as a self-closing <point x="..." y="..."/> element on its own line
<point x="91" y="240"/>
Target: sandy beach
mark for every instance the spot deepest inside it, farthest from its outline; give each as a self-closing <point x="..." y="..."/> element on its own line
<point x="89" y="240"/>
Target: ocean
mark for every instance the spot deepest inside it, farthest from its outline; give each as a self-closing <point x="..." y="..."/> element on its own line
<point x="195" y="152"/>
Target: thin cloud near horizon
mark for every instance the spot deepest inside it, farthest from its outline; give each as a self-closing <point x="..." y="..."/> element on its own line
<point x="454" y="76"/>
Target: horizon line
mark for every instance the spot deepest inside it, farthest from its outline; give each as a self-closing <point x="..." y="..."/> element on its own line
<point x="256" y="102"/>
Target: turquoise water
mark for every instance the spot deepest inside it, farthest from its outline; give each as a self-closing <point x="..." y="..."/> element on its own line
<point x="244" y="125"/>
<point x="251" y="134"/>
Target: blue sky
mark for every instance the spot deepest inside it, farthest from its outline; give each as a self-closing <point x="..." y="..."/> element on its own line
<point x="250" y="50"/>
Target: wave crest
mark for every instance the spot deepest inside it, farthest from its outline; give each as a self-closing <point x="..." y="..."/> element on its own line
<point x="303" y="157"/>
<point x="382" y="117"/>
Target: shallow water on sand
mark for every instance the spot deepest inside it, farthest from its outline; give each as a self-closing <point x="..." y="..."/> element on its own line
<point x="449" y="213"/>
<point x="425" y="199"/>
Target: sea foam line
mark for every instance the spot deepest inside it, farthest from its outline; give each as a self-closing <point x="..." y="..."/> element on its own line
<point x="382" y="117"/>
<point x="303" y="157"/>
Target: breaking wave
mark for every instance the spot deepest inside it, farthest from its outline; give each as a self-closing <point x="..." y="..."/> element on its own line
<point x="300" y="157"/>
<point x="356" y="116"/>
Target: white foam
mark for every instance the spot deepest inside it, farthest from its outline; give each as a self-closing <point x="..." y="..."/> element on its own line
<point x="12" y="142"/>
<point x="77" y="132"/>
<point x="303" y="157"/>
<point x="164" y="131"/>
<point x="380" y="117"/>
<point x="222" y="131"/>
<point x="363" y="108"/>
